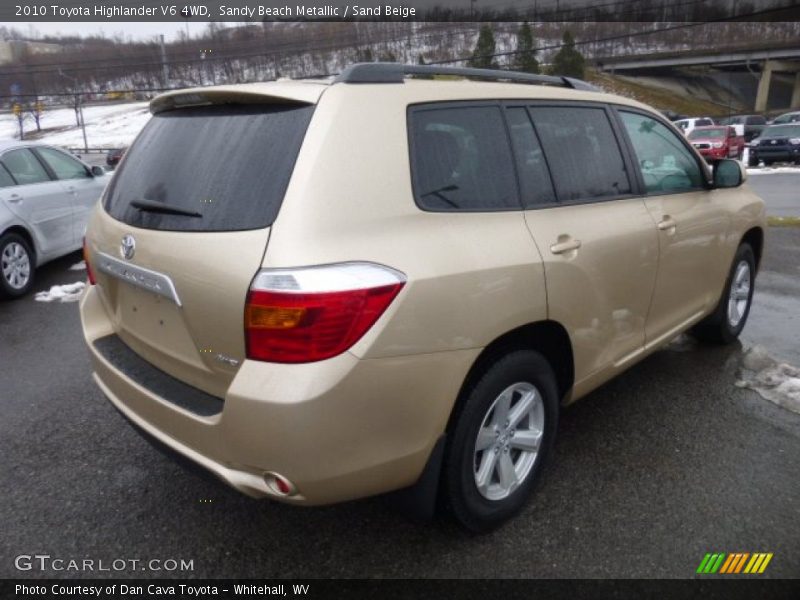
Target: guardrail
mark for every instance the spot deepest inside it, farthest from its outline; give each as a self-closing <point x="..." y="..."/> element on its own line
<point x="92" y="150"/>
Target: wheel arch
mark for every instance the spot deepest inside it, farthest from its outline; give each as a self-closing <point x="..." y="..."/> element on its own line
<point x="755" y="238"/>
<point x="549" y="338"/>
<point x="26" y="235"/>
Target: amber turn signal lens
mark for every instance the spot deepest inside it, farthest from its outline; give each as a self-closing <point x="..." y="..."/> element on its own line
<point x="274" y="317"/>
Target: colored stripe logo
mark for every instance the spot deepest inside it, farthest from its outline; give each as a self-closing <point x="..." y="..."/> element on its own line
<point x="734" y="563"/>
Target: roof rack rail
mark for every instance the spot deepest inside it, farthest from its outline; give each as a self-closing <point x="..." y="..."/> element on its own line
<point x="384" y="72"/>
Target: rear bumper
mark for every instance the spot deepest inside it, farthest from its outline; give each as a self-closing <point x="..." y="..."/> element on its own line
<point x="338" y="429"/>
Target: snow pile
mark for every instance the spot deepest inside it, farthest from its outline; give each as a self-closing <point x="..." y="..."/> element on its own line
<point x="80" y="266"/>
<point x="777" y="382"/>
<point x="70" y="292"/>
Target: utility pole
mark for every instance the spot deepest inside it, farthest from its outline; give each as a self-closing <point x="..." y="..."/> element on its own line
<point x="164" y="70"/>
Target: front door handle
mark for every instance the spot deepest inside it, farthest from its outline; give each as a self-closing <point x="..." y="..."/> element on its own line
<point x="565" y="246"/>
<point x="15" y="199"/>
<point x="667" y="223"/>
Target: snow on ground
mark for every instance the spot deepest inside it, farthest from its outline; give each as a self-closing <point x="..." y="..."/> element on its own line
<point x="774" y="381"/>
<point x="107" y="126"/>
<point x="772" y="170"/>
<point x="70" y="292"/>
<point x="79" y="266"/>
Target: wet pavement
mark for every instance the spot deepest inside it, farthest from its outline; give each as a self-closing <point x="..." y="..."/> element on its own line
<point x="660" y="466"/>
<point x="779" y="190"/>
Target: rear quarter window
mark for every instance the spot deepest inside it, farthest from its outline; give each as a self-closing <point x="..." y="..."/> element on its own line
<point x="229" y="163"/>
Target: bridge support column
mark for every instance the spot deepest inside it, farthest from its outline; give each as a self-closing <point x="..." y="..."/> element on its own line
<point x="796" y="92"/>
<point x="762" y="96"/>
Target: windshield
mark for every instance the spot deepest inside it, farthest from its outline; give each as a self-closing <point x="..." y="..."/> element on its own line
<point x="788" y="118"/>
<point x="209" y="168"/>
<point x="782" y="131"/>
<point x="717" y="132"/>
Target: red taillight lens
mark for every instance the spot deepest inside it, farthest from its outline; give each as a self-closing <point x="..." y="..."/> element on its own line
<point x="89" y="272"/>
<point x="305" y="315"/>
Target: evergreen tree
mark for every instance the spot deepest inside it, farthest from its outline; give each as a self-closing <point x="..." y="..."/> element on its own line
<point x="568" y="61"/>
<point x="482" y="55"/>
<point x="525" y="58"/>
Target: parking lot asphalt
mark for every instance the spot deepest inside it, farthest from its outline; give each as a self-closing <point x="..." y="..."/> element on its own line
<point x="779" y="190"/>
<point x="660" y="466"/>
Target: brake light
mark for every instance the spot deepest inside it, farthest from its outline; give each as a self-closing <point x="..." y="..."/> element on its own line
<point x="313" y="313"/>
<point x="89" y="272"/>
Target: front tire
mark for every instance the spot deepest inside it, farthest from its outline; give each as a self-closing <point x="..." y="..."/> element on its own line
<point x="16" y="266"/>
<point x="500" y="440"/>
<point x="725" y="324"/>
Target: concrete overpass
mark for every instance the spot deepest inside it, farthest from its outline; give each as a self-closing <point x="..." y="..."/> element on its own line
<point x="763" y="61"/>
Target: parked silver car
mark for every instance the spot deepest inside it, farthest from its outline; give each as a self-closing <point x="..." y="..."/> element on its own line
<point x="46" y="195"/>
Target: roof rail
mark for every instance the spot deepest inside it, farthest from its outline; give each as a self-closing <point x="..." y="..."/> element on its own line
<point x="384" y="72"/>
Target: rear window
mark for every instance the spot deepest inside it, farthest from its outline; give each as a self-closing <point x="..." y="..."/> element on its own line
<point x="703" y="122"/>
<point x="229" y="163"/>
<point x="756" y="120"/>
<point x="582" y="152"/>
<point x="461" y="160"/>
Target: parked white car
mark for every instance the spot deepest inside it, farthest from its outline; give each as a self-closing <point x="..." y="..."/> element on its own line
<point x="46" y="195"/>
<point x="687" y="125"/>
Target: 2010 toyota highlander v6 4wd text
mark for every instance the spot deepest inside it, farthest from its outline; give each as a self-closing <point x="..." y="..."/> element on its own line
<point x="325" y="290"/>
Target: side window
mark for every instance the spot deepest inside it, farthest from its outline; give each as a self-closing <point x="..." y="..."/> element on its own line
<point x="65" y="167"/>
<point x="461" y="159"/>
<point x="5" y="178"/>
<point x="666" y="164"/>
<point x="534" y="178"/>
<point x="582" y="152"/>
<point x="25" y="167"/>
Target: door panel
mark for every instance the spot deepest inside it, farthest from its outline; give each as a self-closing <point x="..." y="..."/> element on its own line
<point x="41" y="203"/>
<point x="600" y="290"/>
<point x="691" y="253"/>
<point x="83" y="188"/>
<point x="600" y="252"/>
<point x="691" y="226"/>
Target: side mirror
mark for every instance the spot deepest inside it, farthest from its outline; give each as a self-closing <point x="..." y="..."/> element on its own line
<point x="729" y="173"/>
<point x="98" y="171"/>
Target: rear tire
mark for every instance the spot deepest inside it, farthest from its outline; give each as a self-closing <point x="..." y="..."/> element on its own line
<point x="752" y="161"/>
<point x="499" y="442"/>
<point x="725" y="324"/>
<point x="16" y="266"/>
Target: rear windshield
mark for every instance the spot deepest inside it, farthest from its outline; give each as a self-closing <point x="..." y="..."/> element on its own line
<point x="699" y="134"/>
<point x="229" y="163"/>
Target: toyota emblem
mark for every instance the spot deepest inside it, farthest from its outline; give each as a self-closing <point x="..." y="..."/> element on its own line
<point x="128" y="247"/>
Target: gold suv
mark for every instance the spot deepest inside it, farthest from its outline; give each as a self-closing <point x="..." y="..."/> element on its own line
<point x="325" y="290"/>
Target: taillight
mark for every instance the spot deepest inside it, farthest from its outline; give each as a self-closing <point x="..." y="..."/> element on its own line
<point x="89" y="272"/>
<point x="313" y="313"/>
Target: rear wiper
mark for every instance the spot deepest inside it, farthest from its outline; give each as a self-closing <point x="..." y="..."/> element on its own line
<point x="160" y="207"/>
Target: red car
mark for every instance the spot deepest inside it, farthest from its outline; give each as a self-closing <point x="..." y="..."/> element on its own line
<point x="717" y="141"/>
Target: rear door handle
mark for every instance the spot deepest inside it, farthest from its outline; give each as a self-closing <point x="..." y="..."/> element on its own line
<point x="15" y="199"/>
<point x="566" y="246"/>
<point x="667" y="223"/>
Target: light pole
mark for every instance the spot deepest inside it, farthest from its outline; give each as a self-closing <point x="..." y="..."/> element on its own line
<point x="79" y="104"/>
